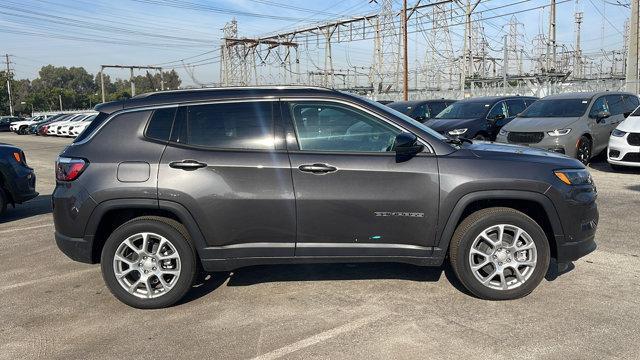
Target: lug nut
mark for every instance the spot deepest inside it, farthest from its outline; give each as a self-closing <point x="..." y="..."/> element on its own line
<point x="498" y="264"/>
<point x="153" y="269"/>
<point x="508" y="260"/>
<point x="146" y="271"/>
<point x="495" y="257"/>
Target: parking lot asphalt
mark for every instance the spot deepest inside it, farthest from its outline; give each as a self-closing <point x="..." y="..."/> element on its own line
<point x="53" y="307"/>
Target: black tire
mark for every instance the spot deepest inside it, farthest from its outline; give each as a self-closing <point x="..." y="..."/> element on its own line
<point x="472" y="227"/>
<point x="583" y="150"/>
<point x="3" y="201"/>
<point x="172" y="231"/>
<point x="480" y="137"/>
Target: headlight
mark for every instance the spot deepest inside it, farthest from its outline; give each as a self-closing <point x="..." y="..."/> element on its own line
<point x="503" y="132"/>
<point x="559" y="132"/>
<point x="618" y="133"/>
<point x="574" y="176"/>
<point x="457" y="132"/>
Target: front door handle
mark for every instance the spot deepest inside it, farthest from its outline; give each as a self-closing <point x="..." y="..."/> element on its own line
<point x="187" y="165"/>
<point x="318" y="168"/>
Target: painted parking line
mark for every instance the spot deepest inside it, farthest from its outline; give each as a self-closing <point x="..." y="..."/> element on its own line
<point x="26" y="228"/>
<point x="47" y="279"/>
<point x="318" y="338"/>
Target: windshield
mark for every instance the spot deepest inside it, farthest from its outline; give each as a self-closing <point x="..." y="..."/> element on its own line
<point x="465" y="110"/>
<point x="553" y="108"/>
<point x="403" y="117"/>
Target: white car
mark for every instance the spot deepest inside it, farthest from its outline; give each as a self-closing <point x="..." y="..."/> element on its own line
<point x="78" y="127"/>
<point x="55" y="127"/>
<point x="21" y="126"/>
<point x="624" y="143"/>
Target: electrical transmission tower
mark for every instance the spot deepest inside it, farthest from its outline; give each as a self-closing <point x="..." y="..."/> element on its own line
<point x="515" y="42"/>
<point x="439" y="70"/>
<point x="234" y="70"/>
<point x="385" y="70"/>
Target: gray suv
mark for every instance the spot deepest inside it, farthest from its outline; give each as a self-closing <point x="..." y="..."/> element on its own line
<point x="575" y="124"/>
<point x="164" y="185"/>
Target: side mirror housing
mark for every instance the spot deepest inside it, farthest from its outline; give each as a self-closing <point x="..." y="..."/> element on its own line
<point x="421" y="118"/>
<point x="602" y="115"/>
<point x="406" y="146"/>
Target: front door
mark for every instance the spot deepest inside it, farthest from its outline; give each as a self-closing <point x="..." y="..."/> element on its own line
<point x="227" y="167"/>
<point x="353" y="198"/>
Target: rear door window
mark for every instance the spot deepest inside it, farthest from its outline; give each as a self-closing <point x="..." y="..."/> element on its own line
<point x="598" y="106"/>
<point x="437" y="107"/>
<point x="242" y="125"/>
<point x="497" y="109"/>
<point x="616" y="104"/>
<point x="631" y="103"/>
<point x="516" y="106"/>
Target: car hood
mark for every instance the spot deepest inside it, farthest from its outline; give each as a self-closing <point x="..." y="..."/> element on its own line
<point x="630" y="124"/>
<point x="498" y="151"/>
<point x="539" y="124"/>
<point x="442" y="125"/>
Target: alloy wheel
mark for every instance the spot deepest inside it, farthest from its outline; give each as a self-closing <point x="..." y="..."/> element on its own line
<point x="503" y="257"/>
<point x="147" y="265"/>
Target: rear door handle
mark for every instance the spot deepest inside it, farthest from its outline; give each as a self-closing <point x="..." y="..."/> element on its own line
<point x="318" y="168"/>
<point x="187" y="165"/>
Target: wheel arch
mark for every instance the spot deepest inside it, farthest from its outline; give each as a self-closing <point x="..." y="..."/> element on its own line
<point x="535" y="205"/>
<point x="108" y="215"/>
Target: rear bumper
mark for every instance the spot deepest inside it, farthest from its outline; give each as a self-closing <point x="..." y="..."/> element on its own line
<point x="78" y="249"/>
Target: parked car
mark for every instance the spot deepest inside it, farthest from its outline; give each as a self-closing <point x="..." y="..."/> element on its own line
<point x="33" y="127"/>
<point x="624" y="143"/>
<point x="479" y="118"/>
<point x="17" y="179"/>
<point x="79" y="127"/>
<point x="5" y="123"/>
<point x="21" y="127"/>
<point x="54" y="129"/>
<point x="575" y="124"/>
<point x="421" y="110"/>
<point x="163" y="183"/>
<point x="42" y="128"/>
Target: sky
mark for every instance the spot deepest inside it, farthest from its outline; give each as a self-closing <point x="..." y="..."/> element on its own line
<point x="89" y="33"/>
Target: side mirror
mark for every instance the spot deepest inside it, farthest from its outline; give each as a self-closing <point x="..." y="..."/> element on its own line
<point x="602" y="115"/>
<point x="496" y="118"/>
<point x="421" y="118"/>
<point x="406" y="145"/>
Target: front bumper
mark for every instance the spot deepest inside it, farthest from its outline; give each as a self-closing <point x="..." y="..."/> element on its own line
<point x="560" y="144"/>
<point x="619" y="148"/>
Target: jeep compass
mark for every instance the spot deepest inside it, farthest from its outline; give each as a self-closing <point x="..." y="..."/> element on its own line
<point x="163" y="185"/>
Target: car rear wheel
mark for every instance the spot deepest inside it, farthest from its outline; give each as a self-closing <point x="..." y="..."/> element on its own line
<point x="149" y="262"/>
<point x="480" y="137"/>
<point x="499" y="254"/>
<point x="583" y="150"/>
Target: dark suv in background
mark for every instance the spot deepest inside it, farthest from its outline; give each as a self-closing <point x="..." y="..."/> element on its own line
<point x="479" y="118"/>
<point x="421" y="110"/>
<point x="163" y="184"/>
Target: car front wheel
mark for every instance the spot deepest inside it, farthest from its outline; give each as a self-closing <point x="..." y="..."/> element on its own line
<point x="499" y="254"/>
<point x="149" y="262"/>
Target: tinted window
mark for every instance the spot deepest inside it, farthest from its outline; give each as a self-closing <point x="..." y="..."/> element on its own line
<point x="159" y="127"/>
<point x="515" y="107"/>
<point x="528" y="102"/>
<point x="332" y="127"/>
<point x="631" y="102"/>
<point x="497" y="109"/>
<point x="401" y="106"/>
<point x="244" y="125"/>
<point x="464" y="110"/>
<point x="437" y="107"/>
<point x="91" y="127"/>
<point x="616" y="104"/>
<point x="557" y="108"/>
<point x="598" y="106"/>
<point x="421" y="113"/>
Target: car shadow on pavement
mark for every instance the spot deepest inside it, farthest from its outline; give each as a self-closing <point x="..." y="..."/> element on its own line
<point x="605" y="167"/>
<point x="37" y="206"/>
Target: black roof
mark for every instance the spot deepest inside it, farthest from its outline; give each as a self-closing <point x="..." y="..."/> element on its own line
<point x="418" y="102"/>
<point x="206" y="94"/>
<point x="492" y="99"/>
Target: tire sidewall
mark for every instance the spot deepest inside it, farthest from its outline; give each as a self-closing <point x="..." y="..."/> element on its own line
<point x="522" y="221"/>
<point x="584" y="139"/>
<point x="3" y="201"/>
<point x="183" y="247"/>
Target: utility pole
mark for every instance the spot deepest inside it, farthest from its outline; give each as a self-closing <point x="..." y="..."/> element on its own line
<point x="405" y="56"/>
<point x="467" y="58"/>
<point x="60" y="99"/>
<point x="551" y="43"/>
<point x="131" y="68"/>
<point x="505" y="65"/>
<point x="578" y="55"/>
<point x="9" y="84"/>
<point x="632" y="53"/>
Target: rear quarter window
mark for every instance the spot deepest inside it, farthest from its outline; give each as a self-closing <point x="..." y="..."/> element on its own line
<point x="99" y="120"/>
<point x="159" y="127"/>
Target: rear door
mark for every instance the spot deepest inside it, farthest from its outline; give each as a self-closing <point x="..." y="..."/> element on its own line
<point x="600" y="128"/>
<point x="353" y="197"/>
<point x="226" y="165"/>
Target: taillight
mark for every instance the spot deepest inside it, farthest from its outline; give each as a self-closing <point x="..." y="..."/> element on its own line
<point x="69" y="169"/>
